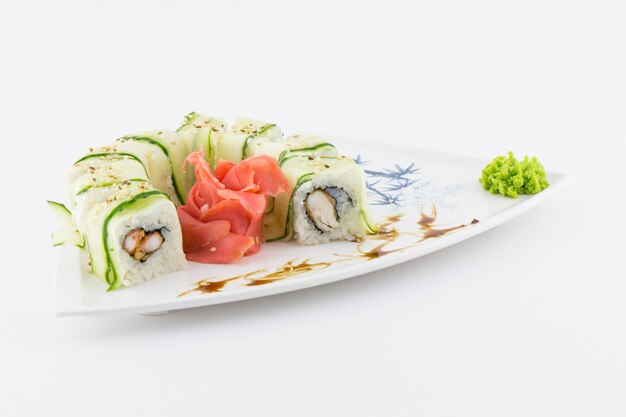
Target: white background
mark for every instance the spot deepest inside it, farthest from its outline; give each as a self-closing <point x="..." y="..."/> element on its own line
<point x="525" y="320"/>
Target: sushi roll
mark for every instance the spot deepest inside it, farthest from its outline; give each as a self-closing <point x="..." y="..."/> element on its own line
<point x="122" y="205"/>
<point x="257" y="128"/>
<point x="162" y="153"/>
<point x="246" y="138"/>
<point x="134" y="236"/>
<point x="306" y="144"/>
<point x="328" y="202"/>
<point x="95" y="177"/>
<point x="231" y="146"/>
<point x="200" y="132"/>
<point x="236" y="147"/>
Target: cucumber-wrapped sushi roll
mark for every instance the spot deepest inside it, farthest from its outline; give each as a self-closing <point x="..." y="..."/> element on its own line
<point x="233" y="147"/>
<point x="246" y="138"/>
<point x="95" y="177"/>
<point x="162" y="153"/>
<point x="328" y="202"/>
<point x="236" y="147"/>
<point x="134" y="236"/>
<point x="306" y="144"/>
<point x="257" y="128"/>
<point x="199" y="132"/>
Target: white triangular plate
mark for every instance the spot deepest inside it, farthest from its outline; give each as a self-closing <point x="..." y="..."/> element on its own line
<point x="412" y="182"/>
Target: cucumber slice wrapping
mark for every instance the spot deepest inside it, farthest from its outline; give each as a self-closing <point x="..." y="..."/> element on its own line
<point x="67" y="234"/>
<point x="152" y="141"/>
<point x="304" y="178"/>
<point x="110" y="274"/>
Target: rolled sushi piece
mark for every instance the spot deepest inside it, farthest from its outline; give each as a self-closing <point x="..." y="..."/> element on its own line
<point x="199" y="132"/>
<point x="257" y="128"/>
<point x="257" y="145"/>
<point x="162" y="153"/>
<point x="328" y="202"/>
<point x="95" y="178"/>
<point x="231" y="146"/>
<point x="236" y="147"/>
<point x="306" y="144"/>
<point x="246" y="138"/>
<point x="134" y="236"/>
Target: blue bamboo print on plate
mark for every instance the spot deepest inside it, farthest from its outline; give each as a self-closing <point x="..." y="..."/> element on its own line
<point x="404" y="185"/>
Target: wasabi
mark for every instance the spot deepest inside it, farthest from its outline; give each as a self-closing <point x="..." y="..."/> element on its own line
<point x="507" y="176"/>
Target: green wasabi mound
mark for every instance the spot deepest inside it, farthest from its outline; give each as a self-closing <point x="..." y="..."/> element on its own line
<point x="507" y="176"/>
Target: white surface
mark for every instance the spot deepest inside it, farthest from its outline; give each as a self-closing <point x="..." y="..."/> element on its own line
<point x="527" y="319"/>
<point x="78" y="292"/>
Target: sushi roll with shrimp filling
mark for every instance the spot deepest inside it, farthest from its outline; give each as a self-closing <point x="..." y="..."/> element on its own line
<point x="328" y="202"/>
<point x="134" y="236"/>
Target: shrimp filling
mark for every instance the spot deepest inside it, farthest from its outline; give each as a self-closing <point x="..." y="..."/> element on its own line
<point x="141" y="244"/>
<point x="322" y="210"/>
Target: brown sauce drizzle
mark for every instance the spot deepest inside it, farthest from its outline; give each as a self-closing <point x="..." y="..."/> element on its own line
<point x="262" y="276"/>
<point x="377" y="252"/>
<point x="390" y="235"/>
<point x="292" y="268"/>
<point x="389" y="220"/>
<point x="426" y="225"/>
<point x="289" y="269"/>
<point x="207" y="286"/>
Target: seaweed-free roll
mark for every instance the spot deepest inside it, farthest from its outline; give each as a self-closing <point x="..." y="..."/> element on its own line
<point x="96" y="177"/>
<point x="200" y="132"/>
<point x="246" y="138"/>
<point x="162" y="153"/>
<point x="257" y="128"/>
<point x="328" y="202"/>
<point x="134" y="236"/>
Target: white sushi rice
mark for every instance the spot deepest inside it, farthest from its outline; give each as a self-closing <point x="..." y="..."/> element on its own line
<point x="349" y="216"/>
<point x="169" y="257"/>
